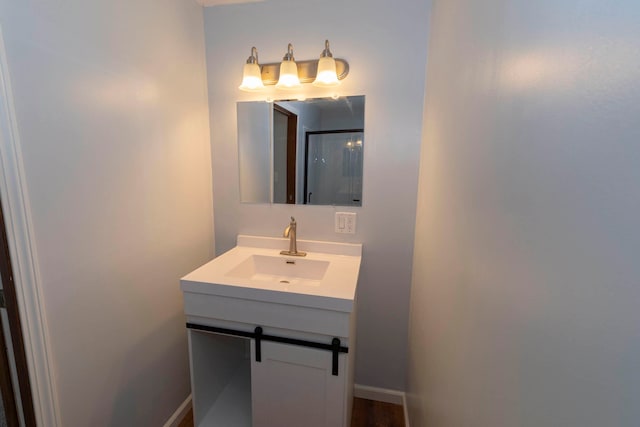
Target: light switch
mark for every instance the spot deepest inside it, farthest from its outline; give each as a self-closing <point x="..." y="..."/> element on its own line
<point x="346" y="222"/>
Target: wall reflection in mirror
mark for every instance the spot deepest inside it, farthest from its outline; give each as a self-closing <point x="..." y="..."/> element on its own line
<point x="303" y="152"/>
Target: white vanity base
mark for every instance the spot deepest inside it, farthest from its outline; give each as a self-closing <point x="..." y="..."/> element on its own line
<point x="293" y="384"/>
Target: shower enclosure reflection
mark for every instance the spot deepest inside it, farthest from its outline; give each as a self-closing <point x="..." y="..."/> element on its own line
<point x="333" y="167"/>
<point x="304" y="152"/>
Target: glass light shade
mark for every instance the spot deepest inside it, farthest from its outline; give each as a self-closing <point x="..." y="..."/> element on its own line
<point x="251" y="78"/>
<point x="327" y="75"/>
<point x="288" y="76"/>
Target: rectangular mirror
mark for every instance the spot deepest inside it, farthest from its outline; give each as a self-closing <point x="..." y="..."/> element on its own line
<point x="303" y="152"/>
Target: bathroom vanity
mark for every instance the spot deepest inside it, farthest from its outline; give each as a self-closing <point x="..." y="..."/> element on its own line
<point x="271" y="336"/>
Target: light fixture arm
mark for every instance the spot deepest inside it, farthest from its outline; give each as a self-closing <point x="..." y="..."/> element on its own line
<point x="253" y="59"/>
<point x="289" y="55"/>
<point x="326" y="53"/>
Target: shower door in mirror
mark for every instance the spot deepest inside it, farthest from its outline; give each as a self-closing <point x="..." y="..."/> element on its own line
<point x="333" y="167"/>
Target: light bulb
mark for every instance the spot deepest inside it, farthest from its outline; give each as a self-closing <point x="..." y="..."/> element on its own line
<point x="251" y="78"/>
<point x="327" y="76"/>
<point x="251" y="74"/>
<point x="288" y="71"/>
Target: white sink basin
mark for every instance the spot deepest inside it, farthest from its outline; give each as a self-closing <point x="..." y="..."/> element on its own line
<point x="255" y="270"/>
<point x="281" y="269"/>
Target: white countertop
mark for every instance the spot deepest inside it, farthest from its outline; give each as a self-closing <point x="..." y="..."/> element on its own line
<point x="335" y="291"/>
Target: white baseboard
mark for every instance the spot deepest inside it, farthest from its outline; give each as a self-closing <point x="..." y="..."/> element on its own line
<point x="380" y="394"/>
<point x="180" y="413"/>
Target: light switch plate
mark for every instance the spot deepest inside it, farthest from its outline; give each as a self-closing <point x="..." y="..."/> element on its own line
<point x="346" y="222"/>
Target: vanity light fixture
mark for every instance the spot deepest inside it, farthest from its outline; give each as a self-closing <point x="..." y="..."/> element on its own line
<point x="289" y="74"/>
<point x="288" y="71"/>
<point x="326" y="75"/>
<point x="251" y="74"/>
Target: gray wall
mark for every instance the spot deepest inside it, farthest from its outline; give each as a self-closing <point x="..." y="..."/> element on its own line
<point x="111" y="109"/>
<point x="375" y="37"/>
<point x="524" y="304"/>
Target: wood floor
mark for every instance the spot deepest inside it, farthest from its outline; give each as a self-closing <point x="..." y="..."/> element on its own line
<point x="371" y="413"/>
<point x="366" y="413"/>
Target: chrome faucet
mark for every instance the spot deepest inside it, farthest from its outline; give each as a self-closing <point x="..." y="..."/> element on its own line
<point x="290" y="232"/>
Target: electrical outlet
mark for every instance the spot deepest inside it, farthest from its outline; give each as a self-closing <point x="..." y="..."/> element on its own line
<point x="346" y="222"/>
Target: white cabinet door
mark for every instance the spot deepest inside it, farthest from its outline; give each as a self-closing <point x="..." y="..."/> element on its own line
<point x="293" y="387"/>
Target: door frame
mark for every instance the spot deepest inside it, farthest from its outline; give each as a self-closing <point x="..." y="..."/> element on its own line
<point x="21" y="246"/>
<point x="292" y="142"/>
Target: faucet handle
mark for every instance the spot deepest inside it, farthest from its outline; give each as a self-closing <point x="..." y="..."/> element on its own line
<point x="293" y="220"/>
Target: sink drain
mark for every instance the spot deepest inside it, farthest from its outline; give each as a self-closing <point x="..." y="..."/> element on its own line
<point x="284" y="281"/>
